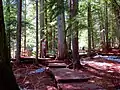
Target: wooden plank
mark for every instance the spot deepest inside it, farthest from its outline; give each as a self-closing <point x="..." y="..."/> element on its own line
<point x="32" y="58"/>
<point x="57" y="65"/>
<point x="64" y="75"/>
<point x="45" y="58"/>
<point x="79" y="86"/>
<point x="55" y="61"/>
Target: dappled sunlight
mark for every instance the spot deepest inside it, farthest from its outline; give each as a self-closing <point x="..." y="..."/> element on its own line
<point x="50" y="88"/>
<point x="102" y="64"/>
<point x="81" y="86"/>
<point x="106" y="72"/>
<point x="68" y="86"/>
<point x="57" y="77"/>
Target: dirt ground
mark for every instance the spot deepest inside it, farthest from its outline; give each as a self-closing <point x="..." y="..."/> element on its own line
<point x="28" y="79"/>
<point x="105" y="73"/>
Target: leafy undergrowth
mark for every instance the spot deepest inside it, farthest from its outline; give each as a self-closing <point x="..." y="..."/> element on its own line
<point x="106" y="73"/>
<point x="31" y="77"/>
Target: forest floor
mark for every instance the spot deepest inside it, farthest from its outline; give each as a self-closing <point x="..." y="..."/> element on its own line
<point x="105" y="73"/>
<point x="31" y="77"/>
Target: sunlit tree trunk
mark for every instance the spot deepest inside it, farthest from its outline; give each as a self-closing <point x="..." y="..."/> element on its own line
<point x="19" y="18"/>
<point x="36" y="61"/>
<point x="61" y="37"/>
<point x="41" y="23"/>
<point x="61" y="31"/>
<point x="7" y="79"/>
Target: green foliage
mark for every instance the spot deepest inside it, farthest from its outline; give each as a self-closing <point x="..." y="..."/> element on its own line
<point x="10" y="14"/>
<point x="54" y="8"/>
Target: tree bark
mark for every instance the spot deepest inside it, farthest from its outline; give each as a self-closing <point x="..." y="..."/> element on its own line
<point x="61" y="31"/>
<point x="41" y="23"/>
<point x="75" y="53"/>
<point x="70" y="30"/>
<point x="19" y="18"/>
<point x="50" y="35"/>
<point x="46" y="24"/>
<point x="102" y="30"/>
<point x="89" y="28"/>
<point x="53" y="41"/>
<point x="7" y="79"/>
<point x="106" y="25"/>
<point x="61" y="37"/>
<point x="36" y="61"/>
<point x="25" y="29"/>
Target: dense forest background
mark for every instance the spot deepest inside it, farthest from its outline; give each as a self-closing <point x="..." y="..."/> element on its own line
<point x="94" y="23"/>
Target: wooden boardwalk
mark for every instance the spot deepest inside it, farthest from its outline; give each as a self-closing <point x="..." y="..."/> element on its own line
<point x="69" y="79"/>
<point x="57" y="65"/>
<point x="55" y="61"/>
<point x="65" y="75"/>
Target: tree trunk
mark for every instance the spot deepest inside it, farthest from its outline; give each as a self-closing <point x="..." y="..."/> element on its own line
<point x="61" y="28"/>
<point x="102" y="30"/>
<point x="70" y="30"/>
<point x="92" y="34"/>
<point x="75" y="53"/>
<point x="19" y="18"/>
<point x="36" y="61"/>
<point x="106" y="25"/>
<point x="50" y="35"/>
<point x="41" y="23"/>
<point x="93" y="43"/>
<point x="7" y="79"/>
<point x="25" y="29"/>
<point x="61" y="31"/>
<point x="53" y="42"/>
<point x="46" y="26"/>
<point x="89" y="28"/>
